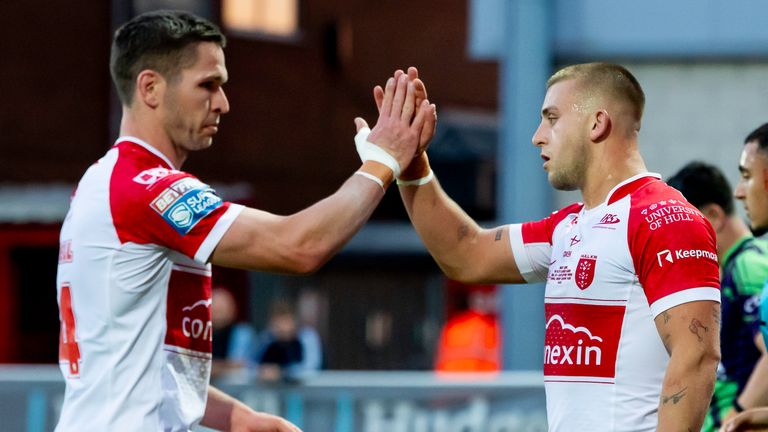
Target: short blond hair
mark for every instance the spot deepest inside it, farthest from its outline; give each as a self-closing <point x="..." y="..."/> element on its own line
<point x="609" y="79"/>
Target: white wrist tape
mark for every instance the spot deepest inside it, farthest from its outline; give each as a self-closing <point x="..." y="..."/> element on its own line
<point x="418" y="182"/>
<point x="370" y="151"/>
<point x="371" y="177"/>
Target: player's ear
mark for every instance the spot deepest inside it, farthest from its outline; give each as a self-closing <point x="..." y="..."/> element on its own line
<point x="715" y="214"/>
<point x="601" y="126"/>
<point x="150" y="86"/>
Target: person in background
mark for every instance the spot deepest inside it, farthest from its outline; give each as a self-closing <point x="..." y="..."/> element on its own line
<point x="287" y="351"/>
<point x="470" y="339"/>
<point x="233" y="342"/>
<point x="752" y="190"/>
<point x="743" y="370"/>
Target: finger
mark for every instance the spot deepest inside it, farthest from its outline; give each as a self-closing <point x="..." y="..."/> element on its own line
<point x="428" y="130"/>
<point x="413" y="73"/>
<point x="399" y="98"/>
<point x="389" y="94"/>
<point x="398" y="73"/>
<point x="360" y="123"/>
<point x="421" y="114"/>
<point x="421" y="90"/>
<point x="378" y="96"/>
<point x="410" y="103"/>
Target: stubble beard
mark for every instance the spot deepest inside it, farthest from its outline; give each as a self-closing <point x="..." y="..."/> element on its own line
<point x="571" y="176"/>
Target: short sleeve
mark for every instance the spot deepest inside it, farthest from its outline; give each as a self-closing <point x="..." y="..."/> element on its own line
<point x="674" y="254"/>
<point x="175" y="210"/>
<point x="531" y="243"/>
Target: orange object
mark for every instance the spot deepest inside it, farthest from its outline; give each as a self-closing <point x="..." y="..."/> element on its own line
<point x="469" y="342"/>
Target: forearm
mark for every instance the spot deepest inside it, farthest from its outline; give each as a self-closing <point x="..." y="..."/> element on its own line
<point x="446" y="230"/>
<point x="322" y="229"/>
<point x="218" y="410"/>
<point x="686" y="391"/>
<point x="755" y="392"/>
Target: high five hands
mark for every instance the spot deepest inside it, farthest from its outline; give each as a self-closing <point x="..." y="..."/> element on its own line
<point x="405" y="126"/>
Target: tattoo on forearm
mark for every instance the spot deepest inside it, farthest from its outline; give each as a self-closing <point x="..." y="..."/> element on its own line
<point x="696" y="326"/>
<point x="463" y="232"/>
<point x="675" y="398"/>
<point x="498" y="233"/>
<point x="666" y="316"/>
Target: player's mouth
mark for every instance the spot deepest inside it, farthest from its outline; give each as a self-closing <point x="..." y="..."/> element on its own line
<point x="545" y="158"/>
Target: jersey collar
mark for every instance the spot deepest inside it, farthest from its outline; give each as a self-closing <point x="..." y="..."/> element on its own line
<point x="146" y="146"/>
<point x="630" y="185"/>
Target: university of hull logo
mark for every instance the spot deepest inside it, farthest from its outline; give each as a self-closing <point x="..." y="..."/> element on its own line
<point x="582" y="340"/>
<point x="585" y="271"/>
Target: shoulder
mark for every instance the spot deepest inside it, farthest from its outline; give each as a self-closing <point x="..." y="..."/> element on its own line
<point x="657" y="208"/>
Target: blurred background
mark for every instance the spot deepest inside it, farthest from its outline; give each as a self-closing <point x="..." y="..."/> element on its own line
<point x="300" y="71"/>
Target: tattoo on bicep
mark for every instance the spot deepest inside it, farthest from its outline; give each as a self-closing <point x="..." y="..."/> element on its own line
<point x="463" y="231"/>
<point x="666" y="316"/>
<point x="499" y="233"/>
<point x="675" y="398"/>
<point x="716" y="314"/>
<point x="697" y="326"/>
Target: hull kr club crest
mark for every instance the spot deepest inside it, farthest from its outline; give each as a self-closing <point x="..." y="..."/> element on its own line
<point x="585" y="271"/>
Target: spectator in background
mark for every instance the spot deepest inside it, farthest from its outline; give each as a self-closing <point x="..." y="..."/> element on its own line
<point x="469" y="340"/>
<point x="743" y="368"/>
<point x="752" y="190"/>
<point x="287" y="351"/>
<point x="233" y="342"/>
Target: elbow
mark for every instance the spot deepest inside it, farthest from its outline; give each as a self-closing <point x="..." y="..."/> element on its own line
<point x="305" y="260"/>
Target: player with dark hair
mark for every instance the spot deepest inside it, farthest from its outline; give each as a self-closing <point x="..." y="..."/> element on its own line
<point x="752" y="190"/>
<point x="134" y="278"/>
<point x="632" y="290"/>
<point x="743" y="261"/>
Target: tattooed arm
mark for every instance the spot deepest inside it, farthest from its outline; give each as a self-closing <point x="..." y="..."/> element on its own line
<point x="463" y="250"/>
<point x="691" y="334"/>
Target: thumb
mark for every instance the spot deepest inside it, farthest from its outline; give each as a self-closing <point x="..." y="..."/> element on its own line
<point x="360" y="123"/>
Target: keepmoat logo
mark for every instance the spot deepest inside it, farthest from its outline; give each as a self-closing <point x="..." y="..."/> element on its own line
<point x="668" y="256"/>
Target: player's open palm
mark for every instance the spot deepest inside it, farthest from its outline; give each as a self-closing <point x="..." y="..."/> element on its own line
<point x="399" y="126"/>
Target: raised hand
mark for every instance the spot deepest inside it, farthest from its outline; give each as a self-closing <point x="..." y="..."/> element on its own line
<point x="399" y="125"/>
<point x="428" y="131"/>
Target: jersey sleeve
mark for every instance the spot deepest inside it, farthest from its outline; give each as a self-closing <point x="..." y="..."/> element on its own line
<point x="531" y="243"/>
<point x="673" y="251"/>
<point x="177" y="211"/>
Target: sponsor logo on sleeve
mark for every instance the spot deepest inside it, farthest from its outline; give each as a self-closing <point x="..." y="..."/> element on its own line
<point x="185" y="203"/>
<point x="668" y="212"/>
<point x="668" y="256"/>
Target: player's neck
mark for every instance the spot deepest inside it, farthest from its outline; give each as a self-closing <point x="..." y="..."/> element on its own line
<point x="606" y="171"/>
<point x="145" y="129"/>
<point x="728" y="233"/>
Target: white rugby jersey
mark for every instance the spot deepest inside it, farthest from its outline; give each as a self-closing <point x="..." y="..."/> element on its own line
<point x="610" y="271"/>
<point x="134" y="291"/>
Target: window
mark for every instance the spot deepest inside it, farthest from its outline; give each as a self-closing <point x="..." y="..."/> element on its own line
<point x="275" y="18"/>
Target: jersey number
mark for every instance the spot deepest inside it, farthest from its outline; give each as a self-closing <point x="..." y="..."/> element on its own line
<point x="69" y="351"/>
